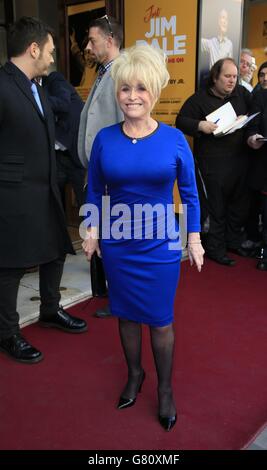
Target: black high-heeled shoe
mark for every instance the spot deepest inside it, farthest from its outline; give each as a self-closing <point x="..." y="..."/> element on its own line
<point x="127" y="402"/>
<point x="167" y="422"/>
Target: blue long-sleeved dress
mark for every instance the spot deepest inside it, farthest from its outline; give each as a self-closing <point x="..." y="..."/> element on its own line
<point x="141" y="260"/>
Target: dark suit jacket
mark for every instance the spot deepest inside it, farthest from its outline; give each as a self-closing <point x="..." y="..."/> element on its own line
<point x="32" y="221"/>
<point x="258" y="125"/>
<point x="67" y="107"/>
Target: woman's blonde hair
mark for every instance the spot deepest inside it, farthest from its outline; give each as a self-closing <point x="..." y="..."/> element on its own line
<point x="143" y="63"/>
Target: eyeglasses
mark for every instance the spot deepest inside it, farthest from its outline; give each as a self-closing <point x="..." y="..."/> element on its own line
<point x="105" y="17"/>
<point x="245" y="62"/>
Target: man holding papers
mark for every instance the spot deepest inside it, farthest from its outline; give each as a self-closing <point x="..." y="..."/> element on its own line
<point x="222" y="161"/>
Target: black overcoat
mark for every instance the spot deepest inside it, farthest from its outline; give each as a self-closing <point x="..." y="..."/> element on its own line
<point x="67" y="106"/>
<point x="32" y="221"/>
<point x="258" y="158"/>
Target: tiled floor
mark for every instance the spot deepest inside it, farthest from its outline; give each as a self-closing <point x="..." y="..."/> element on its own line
<point x="76" y="286"/>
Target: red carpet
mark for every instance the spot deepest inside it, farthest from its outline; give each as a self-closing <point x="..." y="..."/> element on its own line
<point x="220" y="375"/>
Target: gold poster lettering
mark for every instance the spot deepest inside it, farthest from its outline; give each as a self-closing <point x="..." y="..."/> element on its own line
<point x="169" y="26"/>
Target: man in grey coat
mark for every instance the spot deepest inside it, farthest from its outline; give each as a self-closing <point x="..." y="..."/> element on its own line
<point x="101" y="108"/>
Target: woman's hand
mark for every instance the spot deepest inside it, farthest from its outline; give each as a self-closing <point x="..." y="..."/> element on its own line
<point x="90" y="244"/>
<point x="195" y="250"/>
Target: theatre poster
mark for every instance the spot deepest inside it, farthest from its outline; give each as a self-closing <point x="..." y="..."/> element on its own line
<point x="172" y="27"/>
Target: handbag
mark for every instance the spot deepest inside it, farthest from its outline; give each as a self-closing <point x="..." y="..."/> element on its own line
<point x="98" y="278"/>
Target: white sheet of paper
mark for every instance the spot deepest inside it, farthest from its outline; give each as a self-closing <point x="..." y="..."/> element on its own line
<point x="242" y="123"/>
<point x="223" y="116"/>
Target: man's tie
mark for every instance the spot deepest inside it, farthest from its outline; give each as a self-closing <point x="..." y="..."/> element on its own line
<point x="37" y="97"/>
<point x="101" y="72"/>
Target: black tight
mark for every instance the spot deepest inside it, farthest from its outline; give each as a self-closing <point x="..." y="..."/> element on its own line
<point x="131" y="340"/>
<point x="162" y="342"/>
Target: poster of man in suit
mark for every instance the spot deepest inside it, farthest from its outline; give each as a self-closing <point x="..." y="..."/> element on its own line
<point x="220" y="29"/>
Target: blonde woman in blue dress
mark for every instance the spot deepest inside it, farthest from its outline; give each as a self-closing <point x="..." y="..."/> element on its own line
<point x="137" y="162"/>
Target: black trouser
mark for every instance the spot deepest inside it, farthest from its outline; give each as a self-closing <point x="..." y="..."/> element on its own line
<point x="264" y="218"/>
<point x="252" y="222"/>
<point x="68" y="172"/>
<point x="49" y="281"/>
<point x="227" y="202"/>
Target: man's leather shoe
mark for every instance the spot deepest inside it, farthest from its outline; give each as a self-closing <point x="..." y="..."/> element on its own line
<point x="262" y="265"/>
<point x="20" y="350"/>
<point x="224" y="260"/>
<point x="242" y="252"/>
<point x="103" y="312"/>
<point x="64" y="321"/>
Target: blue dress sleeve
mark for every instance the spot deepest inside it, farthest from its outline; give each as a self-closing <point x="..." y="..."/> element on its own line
<point x="96" y="182"/>
<point x="187" y="184"/>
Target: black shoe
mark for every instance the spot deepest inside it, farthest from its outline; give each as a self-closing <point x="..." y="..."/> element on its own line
<point x="20" y="350"/>
<point x="103" y="312"/>
<point x="127" y="402"/>
<point x="167" y="422"/>
<point x="64" y="321"/>
<point x="262" y="265"/>
<point x="242" y="252"/>
<point x="224" y="260"/>
<point x="254" y="248"/>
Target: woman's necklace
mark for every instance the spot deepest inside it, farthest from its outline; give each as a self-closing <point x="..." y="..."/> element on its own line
<point x="143" y="134"/>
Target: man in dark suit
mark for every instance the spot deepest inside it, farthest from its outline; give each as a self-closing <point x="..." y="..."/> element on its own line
<point x="32" y="222"/>
<point x="256" y="133"/>
<point x="67" y="106"/>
